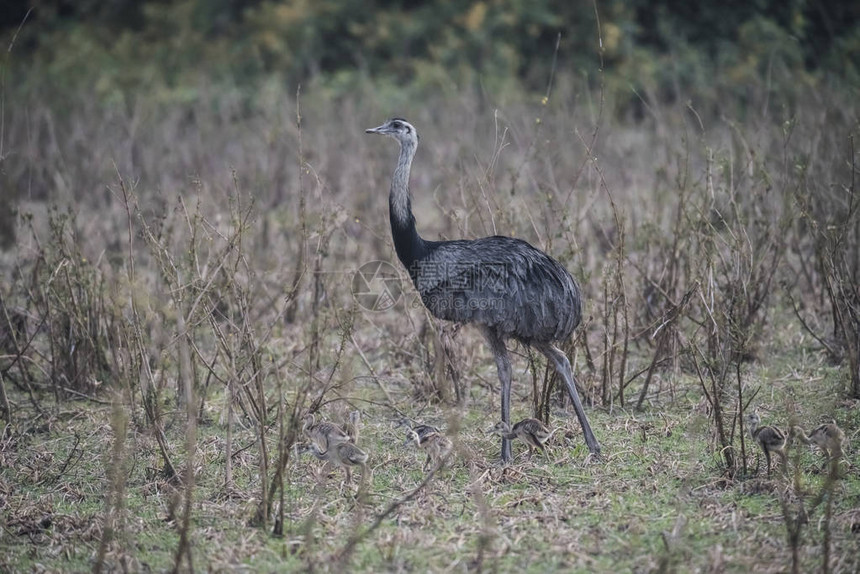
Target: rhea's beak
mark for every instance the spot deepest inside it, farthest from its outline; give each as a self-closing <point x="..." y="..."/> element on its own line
<point x="378" y="130"/>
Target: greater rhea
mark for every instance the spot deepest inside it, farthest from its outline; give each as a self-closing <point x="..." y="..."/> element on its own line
<point x="435" y="444"/>
<point x="323" y="434"/>
<point x="507" y="287"/>
<point x="828" y="437"/>
<point x="422" y="429"/>
<point x="345" y="455"/>
<point x="531" y="431"/>
<point x="770" y="438"/>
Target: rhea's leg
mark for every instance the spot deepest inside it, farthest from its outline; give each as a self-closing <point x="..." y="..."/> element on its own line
<point x="503" y="364"/>
<point x="784" y="460"/>
<point x="562" y="367"/>
<point x="359" y="495"/>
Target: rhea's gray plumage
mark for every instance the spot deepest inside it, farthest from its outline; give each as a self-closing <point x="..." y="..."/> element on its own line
<point x="828" y="437"/>
<point x="507" y="287"/>
<point x="500" y="283"/>
<point x="323" y="433"/>
<point x="769" y="438"/>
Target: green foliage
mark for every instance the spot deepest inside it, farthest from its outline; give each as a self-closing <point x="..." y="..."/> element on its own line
<point x="661" y="48"/>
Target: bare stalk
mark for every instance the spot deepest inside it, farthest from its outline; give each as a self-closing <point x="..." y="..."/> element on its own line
<point x="114" y="516"/>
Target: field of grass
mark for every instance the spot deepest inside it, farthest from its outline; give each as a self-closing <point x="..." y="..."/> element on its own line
<point x="180" y="291"/>
<point x="657" y="501"/>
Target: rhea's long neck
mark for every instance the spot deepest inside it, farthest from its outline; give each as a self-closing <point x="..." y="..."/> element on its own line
<point x="408" y="244"/>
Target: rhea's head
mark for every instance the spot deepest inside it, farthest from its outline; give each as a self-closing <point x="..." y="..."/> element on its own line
<point x="399" y="129"/>
<point x="753" y="420"/>
<point x="308" y="422"/>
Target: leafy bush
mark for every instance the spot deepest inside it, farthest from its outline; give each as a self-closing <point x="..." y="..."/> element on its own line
<point x="661" y="49"/>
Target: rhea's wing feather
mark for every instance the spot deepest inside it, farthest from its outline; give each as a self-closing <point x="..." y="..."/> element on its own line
<point x="771" y="436"/>
<point x="533" y="427"/>
<point x="425" y="430"/>
<point x="539" y="429"/>
<point x="503" y="283"/>
<point x="332" y="431"/>
<point x="427" y="437"/>
<point x="521" y="425"/>
<point x="351" y="454"/>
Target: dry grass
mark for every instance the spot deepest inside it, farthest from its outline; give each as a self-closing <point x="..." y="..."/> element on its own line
<point x="197" y="299"/>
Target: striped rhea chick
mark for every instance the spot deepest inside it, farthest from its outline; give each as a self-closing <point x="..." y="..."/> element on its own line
<point x="345" y="455"/>
<point x="828" y="437"/>
<point x="769" y="438"/>
<point x="436" y="445"/>
<point x="323" y="434"/>
<point x="531" y="431"/>
<point x="422" y="429"/>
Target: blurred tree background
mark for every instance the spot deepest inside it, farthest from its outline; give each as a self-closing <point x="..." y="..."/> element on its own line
<point x="665" y="49"/>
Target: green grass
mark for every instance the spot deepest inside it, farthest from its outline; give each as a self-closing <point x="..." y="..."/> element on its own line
<point x="565" y="512"/>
